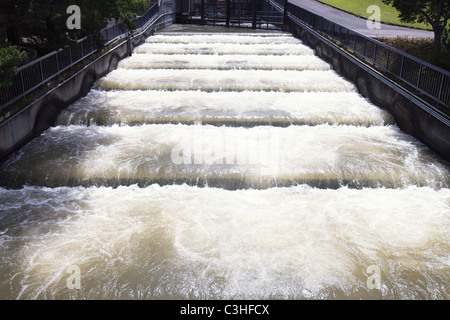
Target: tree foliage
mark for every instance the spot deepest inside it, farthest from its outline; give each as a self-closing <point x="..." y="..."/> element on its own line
<point x="434" y="12"/>
<point x="41" y="24"/>
<point x="10" y="58"/>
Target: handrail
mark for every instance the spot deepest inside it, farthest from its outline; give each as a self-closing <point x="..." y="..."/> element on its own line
<point x="153" y="22"/>
<point x="36" y="73"/>
<point x="243" y="13"/>
<point x="426" y="78"/>
<point x="438" y="114"/>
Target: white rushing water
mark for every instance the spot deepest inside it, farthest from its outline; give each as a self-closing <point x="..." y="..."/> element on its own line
<point x="239" y="157"/>
<point x="229" y="165"/>
<point x="225" y="80"/>
<point x="224" y="62"/>
<point x="231" y="108"/>
<point x="186" y="242"/>
<point x="224" y="48"/>
<point x="242" y="38"/>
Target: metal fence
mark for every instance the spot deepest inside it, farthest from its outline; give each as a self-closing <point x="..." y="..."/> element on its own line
<point x="38" y="72"/>
<point x="236" y="13"/>
<point x="430" y="80"/>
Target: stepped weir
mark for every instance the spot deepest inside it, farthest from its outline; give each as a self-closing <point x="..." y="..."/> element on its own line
<point x="217" y="163"/>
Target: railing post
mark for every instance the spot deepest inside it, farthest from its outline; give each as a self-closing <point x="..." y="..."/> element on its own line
<point x="239" y="15"/>
<point x="42" y="71"/>
<point x="182" y="10"/>
<point x="364" y="48"/>
<point x="57" y="61"/>
<point x="285" y="16"/>
<point x="22" y="82"/>
<point x="375" y="54"/>
<point x="202" y="11"/>
<point x="387" y="59"/>
<point x="401" y="67"/>
<point x="420" y="74"/>
<point x="346" y="39"/>
<point x="254" y="15"/>
<point x="441" y="87"/>
<point x="228" y="13"/>
<point x="129" y="43"/>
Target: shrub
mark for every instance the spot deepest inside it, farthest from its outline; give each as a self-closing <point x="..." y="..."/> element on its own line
<point x="10" y="59"/>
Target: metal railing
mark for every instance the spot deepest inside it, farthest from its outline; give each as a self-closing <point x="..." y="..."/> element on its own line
<point x="426" y="78"/>
<point x="237" y="13"/>
<point x="40" y="71"/>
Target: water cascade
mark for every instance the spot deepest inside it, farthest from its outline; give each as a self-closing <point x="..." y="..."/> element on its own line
<point x="231" y="165"/>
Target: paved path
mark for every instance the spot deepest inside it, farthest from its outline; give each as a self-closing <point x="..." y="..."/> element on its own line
<point x="358" y="24"/>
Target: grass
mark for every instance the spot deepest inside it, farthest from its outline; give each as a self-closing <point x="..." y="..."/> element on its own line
<point x="420" y="48"/>
<point x="388" y="13"/>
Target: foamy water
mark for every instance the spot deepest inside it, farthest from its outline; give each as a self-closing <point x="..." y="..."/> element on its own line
<point x="224" y="48"/>
<point x="232" y="108"/>
<point x="167" y="242"/>
<point x="224" y="62"/>
<point x="248" y="39"/>
<point x="225" y="80"/>
<point x="224" y="166"/>
<point x="232" y="158"/>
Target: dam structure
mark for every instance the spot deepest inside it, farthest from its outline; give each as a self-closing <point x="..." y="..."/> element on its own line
<point x="222" y="163"/>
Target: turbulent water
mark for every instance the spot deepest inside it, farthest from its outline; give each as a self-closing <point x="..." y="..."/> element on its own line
<point x="224" y="166"/>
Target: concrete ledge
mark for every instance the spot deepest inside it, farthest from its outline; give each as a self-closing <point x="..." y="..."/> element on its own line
<point x="406" y="108"/>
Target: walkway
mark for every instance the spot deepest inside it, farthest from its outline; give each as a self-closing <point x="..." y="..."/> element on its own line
<point x="358" y="24"/>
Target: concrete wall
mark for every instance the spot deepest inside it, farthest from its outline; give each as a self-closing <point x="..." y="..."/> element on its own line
<point x="42" y="113"/>
<point x="404" y="106"/>
<point x="38" y="116"/>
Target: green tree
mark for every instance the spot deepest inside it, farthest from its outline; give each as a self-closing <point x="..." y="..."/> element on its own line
<point x="434" y="12"/>
<point x="446" y="39"/>
<point x="10" y="59"/>
<point x="41" y="24"/>
<point x="127" y="10"/>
